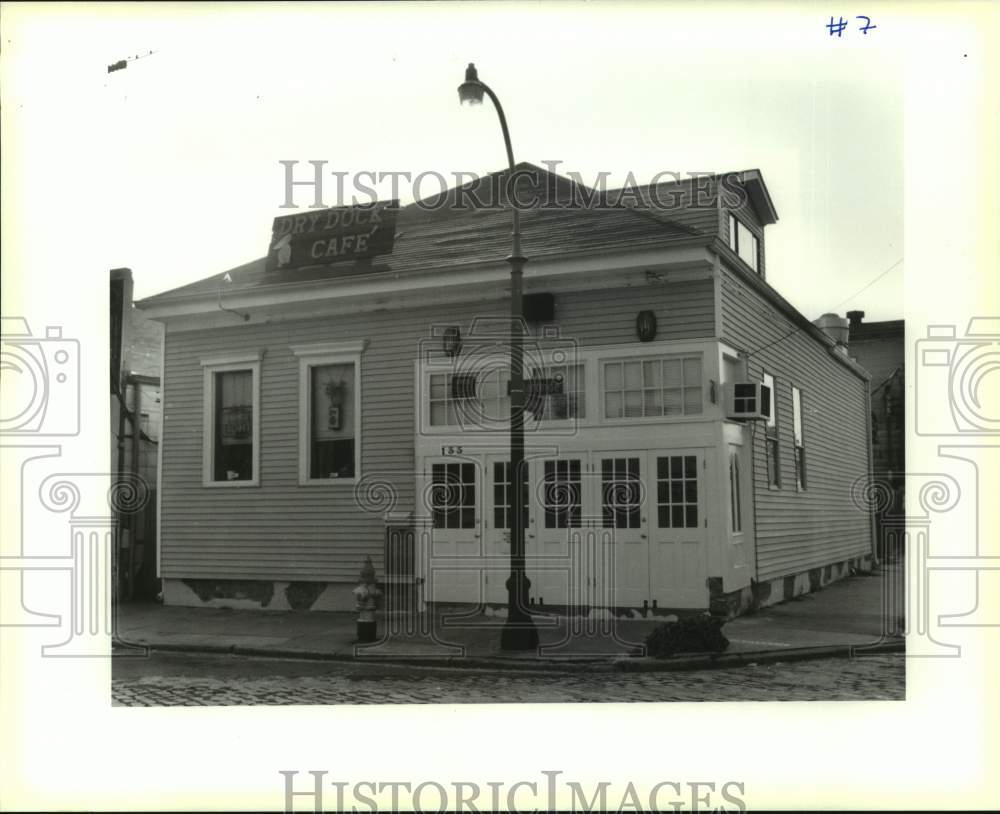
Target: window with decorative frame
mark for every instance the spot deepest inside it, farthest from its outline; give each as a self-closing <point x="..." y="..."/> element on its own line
<point x="329" y="412"/>
<point x="231" y="420"/>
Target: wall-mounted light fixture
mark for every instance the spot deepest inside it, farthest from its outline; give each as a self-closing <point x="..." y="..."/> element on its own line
<point x="452" y="341"/>
<point x="645" y="326"/>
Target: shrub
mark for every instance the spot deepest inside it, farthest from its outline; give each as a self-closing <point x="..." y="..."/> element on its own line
<point x="693" y="634"/>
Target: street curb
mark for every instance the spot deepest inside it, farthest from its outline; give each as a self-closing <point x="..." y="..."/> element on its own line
<point x="639" y="664"/>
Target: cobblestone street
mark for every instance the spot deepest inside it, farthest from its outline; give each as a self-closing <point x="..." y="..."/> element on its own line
<point x="194" y="680"/>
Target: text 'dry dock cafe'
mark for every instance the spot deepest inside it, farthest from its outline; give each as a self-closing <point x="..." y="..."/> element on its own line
<point x="331" y="235"/>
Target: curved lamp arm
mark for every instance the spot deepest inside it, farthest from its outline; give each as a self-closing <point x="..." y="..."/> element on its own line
<point x="471" y="91"/>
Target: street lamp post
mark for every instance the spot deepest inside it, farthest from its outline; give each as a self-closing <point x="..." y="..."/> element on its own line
<point x="519" y="631"/>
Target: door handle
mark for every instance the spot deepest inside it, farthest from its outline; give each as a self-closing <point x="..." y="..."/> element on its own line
<point x="642" y="536"/>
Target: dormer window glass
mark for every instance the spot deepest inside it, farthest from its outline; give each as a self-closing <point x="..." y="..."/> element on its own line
<point x="743" y="242"/>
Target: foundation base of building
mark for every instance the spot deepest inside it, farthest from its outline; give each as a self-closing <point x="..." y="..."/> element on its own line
<point x="764" y="593"/>
<point x="402" y="598"/>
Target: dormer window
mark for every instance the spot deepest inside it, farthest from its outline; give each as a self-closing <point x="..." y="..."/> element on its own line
<point x="743" y="242"/>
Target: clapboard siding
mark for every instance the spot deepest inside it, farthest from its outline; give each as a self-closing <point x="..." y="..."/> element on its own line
<point x="284" y="531"/>
<point x="820" y="525"/>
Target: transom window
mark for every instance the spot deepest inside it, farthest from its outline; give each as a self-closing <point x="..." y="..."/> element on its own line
<point x="482" y="399"/>
<point x="571" y="403"/>
<point x="677" y="491"/>
<point x="621" y="493"/>
<point x="468" y="399"/>
<point x="453" y="495"/>
<point x="668" y="386"/>
<point x="561" y="494"/>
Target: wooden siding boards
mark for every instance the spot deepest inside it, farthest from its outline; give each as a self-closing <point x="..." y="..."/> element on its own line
<point x="284" y="531"/>
<point x="796" y="530"/>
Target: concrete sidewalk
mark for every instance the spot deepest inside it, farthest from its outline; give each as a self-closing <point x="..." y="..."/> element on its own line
<point x="844" y="618"/>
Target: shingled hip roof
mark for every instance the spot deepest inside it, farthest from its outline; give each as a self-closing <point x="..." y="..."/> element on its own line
<point x="471" y="225"/>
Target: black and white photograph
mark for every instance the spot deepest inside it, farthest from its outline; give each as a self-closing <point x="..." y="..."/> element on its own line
<point x="536" y="369"/>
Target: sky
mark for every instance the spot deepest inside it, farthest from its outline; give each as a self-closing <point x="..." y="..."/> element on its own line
<point x="183" y="164"/>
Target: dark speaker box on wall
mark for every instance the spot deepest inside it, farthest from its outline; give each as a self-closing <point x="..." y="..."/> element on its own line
<point x="539" y="307"/>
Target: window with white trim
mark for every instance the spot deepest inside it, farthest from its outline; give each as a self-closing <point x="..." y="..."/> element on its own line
<point x="800" y="450"/>
<point x="329" y="411"/>
<point x="481" y="398"/>
<point x="468" y="399"/>
<point x="231" y="421"/>
<point x="771" y="437"/>
<point x="641" y="388"/>
<point x="570" y="403"/>
<point x="743" y="242"/>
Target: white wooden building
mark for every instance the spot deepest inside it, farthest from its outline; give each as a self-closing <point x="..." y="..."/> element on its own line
<point x="317" y="416"/>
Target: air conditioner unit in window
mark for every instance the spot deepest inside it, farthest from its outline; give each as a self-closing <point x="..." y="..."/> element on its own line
<point x="748" y="400"/>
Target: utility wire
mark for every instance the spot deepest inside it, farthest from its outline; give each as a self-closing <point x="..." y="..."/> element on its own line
<point x="846" y="299"/>
<point x="869" y="285"/>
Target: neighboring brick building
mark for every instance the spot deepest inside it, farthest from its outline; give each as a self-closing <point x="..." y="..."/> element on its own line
<point x="879" y="347"/>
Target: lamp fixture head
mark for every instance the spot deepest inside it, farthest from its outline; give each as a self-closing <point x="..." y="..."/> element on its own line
<point x="471" y="90"/>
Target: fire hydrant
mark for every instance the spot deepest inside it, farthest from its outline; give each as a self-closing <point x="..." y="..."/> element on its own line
<point x="366" y="598"/>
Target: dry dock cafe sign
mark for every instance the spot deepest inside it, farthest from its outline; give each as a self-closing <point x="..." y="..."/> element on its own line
<point x="325" y="236"/>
